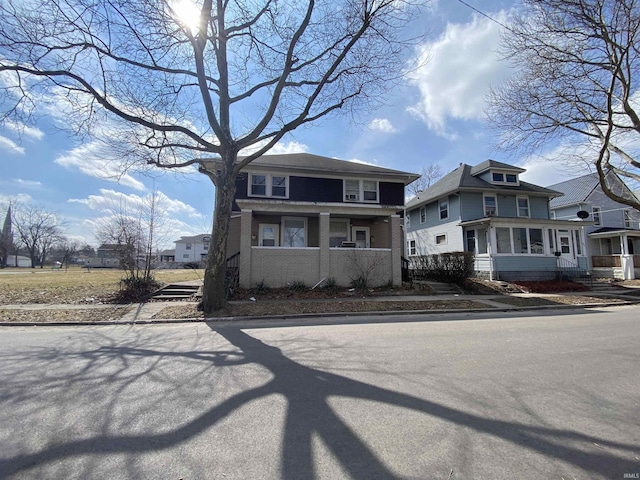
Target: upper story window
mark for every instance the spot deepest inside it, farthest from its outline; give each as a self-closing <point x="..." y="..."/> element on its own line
<point x="595" y="212"/>
<point x="627" y="218"/>
<point x="444" y="209"/>
<point x="423" y="214"/>
<point x="188" y="246"/>
<point x="523" y="206"/>
<point x="508" y="178"/>
<point x="268" y="185"/>
<point x="490" y="206"/>
<point x="361" y="191"/>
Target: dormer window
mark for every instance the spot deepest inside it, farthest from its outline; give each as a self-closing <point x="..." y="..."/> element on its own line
<point x="504" y="178"/>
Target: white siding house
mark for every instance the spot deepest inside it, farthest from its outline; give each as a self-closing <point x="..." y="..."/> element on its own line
<point x="192" y="249"/>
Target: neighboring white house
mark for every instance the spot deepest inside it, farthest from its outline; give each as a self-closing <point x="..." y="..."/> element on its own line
<point x="192" y="249"/>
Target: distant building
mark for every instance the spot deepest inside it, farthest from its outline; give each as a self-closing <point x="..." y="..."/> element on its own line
<point x="192" y="249"/>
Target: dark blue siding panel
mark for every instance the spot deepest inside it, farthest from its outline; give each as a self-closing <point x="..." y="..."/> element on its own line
<point x="391" y="193"/>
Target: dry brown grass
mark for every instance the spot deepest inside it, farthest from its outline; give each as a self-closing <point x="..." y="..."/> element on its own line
<point x="73" y="286"/>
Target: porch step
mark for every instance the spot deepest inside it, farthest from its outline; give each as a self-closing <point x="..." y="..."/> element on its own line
<point x="175" y="292"/>
<point x="600" y="285"/>
<point x="440" y="288"/>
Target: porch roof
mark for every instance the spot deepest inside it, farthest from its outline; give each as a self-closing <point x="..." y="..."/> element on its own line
<point x="612" y="232"/>
<point x="337" y="208"/>
<point x="524" y="222"/>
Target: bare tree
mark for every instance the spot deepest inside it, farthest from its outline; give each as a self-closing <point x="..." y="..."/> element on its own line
<point x="428" y="176"/>
<point x="38" y="229"/>
<point x="578" y="69"/>
<point x="67" y="251"/>
<point x="241" y="76"/>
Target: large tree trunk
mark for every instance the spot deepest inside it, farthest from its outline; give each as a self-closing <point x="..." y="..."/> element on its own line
<point x="214" y="295"/>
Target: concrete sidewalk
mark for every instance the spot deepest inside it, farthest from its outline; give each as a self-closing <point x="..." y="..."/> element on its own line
<point x="144" y="312"/>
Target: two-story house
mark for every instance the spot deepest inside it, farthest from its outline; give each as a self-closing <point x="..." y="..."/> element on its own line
<point x="613" y="237"/>
<point x="304" y="218"/>
<point x="487" y="209"/>
<point x="192" y="248"/>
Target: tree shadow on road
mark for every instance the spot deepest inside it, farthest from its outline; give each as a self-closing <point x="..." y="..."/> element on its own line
<point x="307" y="392"/>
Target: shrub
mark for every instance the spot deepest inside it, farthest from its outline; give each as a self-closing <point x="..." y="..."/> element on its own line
<point x="331" y="285"/>
<point x="452" y="267"/>
<point x="134" y="289"/>
<point x="298" y="286"/>
<point x="361" y="284"/>
<point x="260" y="288"/>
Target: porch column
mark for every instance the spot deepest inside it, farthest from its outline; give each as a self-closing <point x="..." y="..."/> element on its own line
<point x="325" y="252"/>
<point x="245" y="248"/>
<point x="626" y="260"/>
<point x="395" y="234"/>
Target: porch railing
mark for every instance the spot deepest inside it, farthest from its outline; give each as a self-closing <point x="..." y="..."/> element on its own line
<point x="232" y="274"/>
<point x="609" y="261"/>
<point x="570" y="270"/>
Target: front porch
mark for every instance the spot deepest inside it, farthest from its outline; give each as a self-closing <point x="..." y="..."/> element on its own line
<point x="615" y="251"/>
<point x="279" y="247"/>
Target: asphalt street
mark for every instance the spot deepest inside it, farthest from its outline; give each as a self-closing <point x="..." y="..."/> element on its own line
<point x="528" y="395"/>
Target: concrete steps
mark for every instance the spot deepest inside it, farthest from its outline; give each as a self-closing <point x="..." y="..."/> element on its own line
<point x="440" y="288"/>
<point x="176" y="292"/>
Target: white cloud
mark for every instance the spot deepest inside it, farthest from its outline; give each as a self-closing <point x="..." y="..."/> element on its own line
<point x="382" y="125"/>
<point x="279" y="148"/>
<point x="19" y="198"/>
<point x="32" y="132"/>
<point x="11" y="146"/>
<point x="456" y="73"/>
<point x="95" y="159"/>
<point x="27" y="183"/>
<point x="112" y="201"/>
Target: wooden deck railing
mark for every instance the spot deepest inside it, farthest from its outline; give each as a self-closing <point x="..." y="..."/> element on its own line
<point x="607" y="260"/>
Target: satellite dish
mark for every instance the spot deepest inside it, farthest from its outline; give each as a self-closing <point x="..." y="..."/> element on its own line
<point x="583" y="214"/>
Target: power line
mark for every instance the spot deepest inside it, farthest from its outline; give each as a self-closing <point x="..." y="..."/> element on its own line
<point x="483" y="14"/>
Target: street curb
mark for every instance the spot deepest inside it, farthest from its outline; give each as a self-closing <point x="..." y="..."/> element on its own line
<point x="302" y="316"/>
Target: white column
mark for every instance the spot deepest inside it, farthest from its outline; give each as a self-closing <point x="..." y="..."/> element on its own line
<point x="325" y="252"/>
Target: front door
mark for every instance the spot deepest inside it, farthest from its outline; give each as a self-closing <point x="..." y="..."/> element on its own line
<point x="565" y="245"/>
<point x="361" y="237"/>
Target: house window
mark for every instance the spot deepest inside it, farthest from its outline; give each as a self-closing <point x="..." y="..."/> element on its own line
<point x="267" y="185"/>
<point x="441" y="239"/>
<point x="471" y="240"/>
<point x="294" y="232"/>
<point x="578" y="242"/>
<point x="627" y="218"/>
<point x="423" y="214"/>
<point x="503" y="239"/>
<point x="278" y="186"/>
<point x="338" y="232"/>
<point x="412" y="247"/>
<point x="355" y="190"/>
<point x="595" y="212"/>
<point x="523" y="206"/>
<point x="553" y="215"/>
<point x="205" y="246"/>
<point x="444" y="209"/>
<point x="497" y="177"/>
<point x="511" y="178"/>
<point x="552" y="243"/>
<point x="185" y="255"/>
<point x="259" y="185"/>
<point x="535" y="241"/>
<point x="407" y="221"/>
<point x="490" y="206"/>
<point x="188" y="246"/>
<point x="520" y="240"/>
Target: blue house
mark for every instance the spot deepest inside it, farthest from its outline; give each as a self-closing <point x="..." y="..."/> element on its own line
<point x="613" y="237"/>
<point x="486" y="209"/>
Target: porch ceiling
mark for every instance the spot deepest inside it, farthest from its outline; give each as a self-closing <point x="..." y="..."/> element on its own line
<point x="510" y="221"/>
<point x="615" y="233"/>
<point x="283" y="207"/>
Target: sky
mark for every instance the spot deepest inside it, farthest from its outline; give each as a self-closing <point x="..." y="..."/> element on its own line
<point x="436" y="116"/>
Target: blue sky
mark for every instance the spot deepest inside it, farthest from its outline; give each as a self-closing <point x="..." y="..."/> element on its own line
<point x="436" y="116"/>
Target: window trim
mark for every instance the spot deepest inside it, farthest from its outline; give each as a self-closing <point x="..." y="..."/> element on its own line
<point x="484" y="204"/>
<point x="413" y="251"/>
<point x="441" y="235"/>
<point x="283" y="228"/>
<point x="423" y="209"/>
<point x="268" y="185"/>
<point x="523" y="197"/>
<point x="626" y="216"/>
<point x="596" y="212"/>
<point x="504" y="175"/>
<point x="440" y="202"/>
<point x="361" y="190"/>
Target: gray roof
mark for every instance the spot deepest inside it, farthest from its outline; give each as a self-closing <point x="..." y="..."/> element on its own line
<point x="464" y="178"/>
<point x="193" y="239"/>
<point x="575" y="191"/>
<point x="316" y="163"/>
